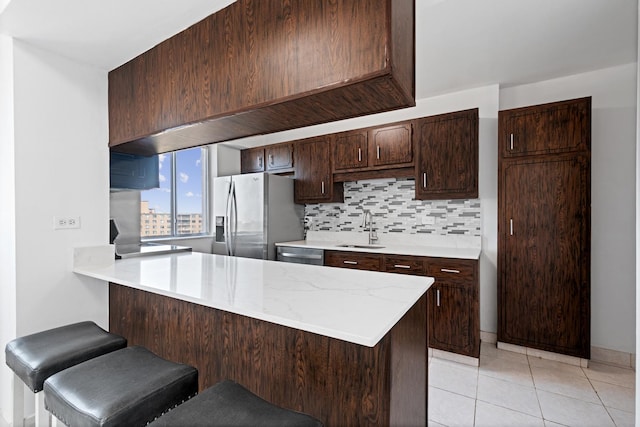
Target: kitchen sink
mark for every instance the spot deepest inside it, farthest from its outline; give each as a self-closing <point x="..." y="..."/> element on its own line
<point x="348" y="245"/>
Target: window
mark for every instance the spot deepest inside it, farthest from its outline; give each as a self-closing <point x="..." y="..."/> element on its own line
<point x="179" y="207"/>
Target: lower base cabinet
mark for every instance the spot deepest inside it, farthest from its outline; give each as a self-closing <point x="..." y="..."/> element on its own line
<point x="453" y="300"/>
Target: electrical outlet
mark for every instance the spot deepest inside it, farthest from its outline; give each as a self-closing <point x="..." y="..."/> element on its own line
<point x="66" y="222"/>
<point x="429" y="220"/>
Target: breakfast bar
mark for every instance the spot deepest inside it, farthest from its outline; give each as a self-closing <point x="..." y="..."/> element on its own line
<point x="348" y="347"/>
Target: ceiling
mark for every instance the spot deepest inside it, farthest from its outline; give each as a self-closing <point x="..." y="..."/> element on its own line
<point x="460" y="43"/>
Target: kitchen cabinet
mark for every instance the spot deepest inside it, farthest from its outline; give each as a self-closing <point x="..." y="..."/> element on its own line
<point x="391" y="145"/>
<point x="453" y="301"/>
<point x="354" y="260"/>
<point x="544" y="229"/>
<point x="270" y="158"/>
<point x="252" y="160"/>
<point x="258" y="67"/>
<point x="554" y="128"/>
<point x="279" y="157"/>
<point x="447" y="156"/>
<point x="350" y="150"/>
<point x="404" y="264"/>
<point x="313" y="179"/>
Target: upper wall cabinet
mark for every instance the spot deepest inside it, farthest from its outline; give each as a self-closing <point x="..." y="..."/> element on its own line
<point x="554" y="128"/>
<point x="257" y="67"/>
<point x="447" y="163"/>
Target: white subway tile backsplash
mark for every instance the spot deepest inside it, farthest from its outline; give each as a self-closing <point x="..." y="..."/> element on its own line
<point x="395" y="210"/>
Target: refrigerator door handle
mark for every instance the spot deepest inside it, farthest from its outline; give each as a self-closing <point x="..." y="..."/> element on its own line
<point x="234" y="209"/>
<point x="227" y="225"/>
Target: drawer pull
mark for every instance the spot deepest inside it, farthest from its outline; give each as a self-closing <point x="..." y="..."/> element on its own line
<point x="402" y="266"/>
<point x="350" y="262"/>
<point x="447" y="270"/>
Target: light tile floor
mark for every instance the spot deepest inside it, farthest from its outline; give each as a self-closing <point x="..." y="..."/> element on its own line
<point x="511" y="389"/>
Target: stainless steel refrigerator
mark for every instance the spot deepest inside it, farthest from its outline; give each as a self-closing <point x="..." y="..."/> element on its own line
<point x="254" y="211"/>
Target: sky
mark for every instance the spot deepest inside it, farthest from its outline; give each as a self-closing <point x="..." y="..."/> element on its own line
<point x="188" y="183"/>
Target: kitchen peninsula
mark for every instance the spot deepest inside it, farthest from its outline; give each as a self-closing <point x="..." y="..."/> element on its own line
<point x="348" y="347"/>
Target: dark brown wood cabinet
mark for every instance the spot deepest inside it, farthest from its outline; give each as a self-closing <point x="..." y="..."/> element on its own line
<point x="447" y="156"/>
<point x="391" y="145"/>
<point x="544" y="227"/>
<point x="350" y="150"/>
<point x="453" y="301"/>
<point x="313" y="178"/>
<point x="279" y="157"/>
<point x="252" y="160"/>
<point x="258" y="67"/>
<point x="554" y="128"/>
<point x="354" y="260"/>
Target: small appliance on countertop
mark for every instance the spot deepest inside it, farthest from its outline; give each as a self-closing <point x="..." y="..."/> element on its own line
<point x="137" y="249"/>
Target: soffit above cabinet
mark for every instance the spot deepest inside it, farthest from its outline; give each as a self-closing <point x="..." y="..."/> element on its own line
<point x="260" y="67"/>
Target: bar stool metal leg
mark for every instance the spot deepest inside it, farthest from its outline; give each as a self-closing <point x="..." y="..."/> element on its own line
<point x="18" y="401"/>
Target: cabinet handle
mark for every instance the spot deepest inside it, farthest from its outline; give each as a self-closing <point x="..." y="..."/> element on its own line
<point x="424" y="180"/>
<point x="511" y="142"/>
<point x="359" y="154"/>
<point x="260" y="161"/>
<point x="448" y="270"/>
<point x="511" y="226"/>
<point x="271" y="159"/>
<point x="438" y="297"/>
<point x="378" y="152"/>
<point x="402" y="266"/>
<point x="350" y="262"/>
<point x="322" y="187"/>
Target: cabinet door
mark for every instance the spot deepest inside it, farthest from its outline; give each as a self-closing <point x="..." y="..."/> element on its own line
<point x="313" y="178"/>
<point x="560" y="127"/>
<point x="447" y="164"/>
<point x="450" y="317"/>
<point x="350" y="150"/>
<point x="353" y="260"/>
<point x="130" y="171"/>
<point x="391" y="145"/>
<point x="454" y="319"/>
<point x="279" y="157"/>
<point x="544" y="260"/>
<point x="252" y="160"/>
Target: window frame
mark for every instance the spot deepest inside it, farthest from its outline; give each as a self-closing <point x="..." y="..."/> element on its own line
<point x="174" y="200"/>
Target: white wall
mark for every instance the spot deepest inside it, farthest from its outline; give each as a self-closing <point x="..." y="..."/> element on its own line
<point x="613" y="195"/>
<point x="61" y="168"/>
<point x="7" y="220"/>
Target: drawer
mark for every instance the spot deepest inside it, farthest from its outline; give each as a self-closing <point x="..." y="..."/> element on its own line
<point x="356" y="260"/>
<point x="404" y="264"/>
<point x="451" y="269"/>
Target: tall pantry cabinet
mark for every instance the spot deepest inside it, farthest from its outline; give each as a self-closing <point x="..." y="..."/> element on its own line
<point x="544" y="227"/>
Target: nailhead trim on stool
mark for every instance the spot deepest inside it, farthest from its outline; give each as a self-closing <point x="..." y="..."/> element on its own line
<point x="128" y="387"/>
<point x="230" y="404"/>
<point x="36" y="357"/>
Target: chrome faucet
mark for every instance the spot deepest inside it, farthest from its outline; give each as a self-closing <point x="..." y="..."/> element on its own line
<point x="373" y="237"/>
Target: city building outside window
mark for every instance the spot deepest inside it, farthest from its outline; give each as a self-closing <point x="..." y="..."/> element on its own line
<point x="178" y="208"/>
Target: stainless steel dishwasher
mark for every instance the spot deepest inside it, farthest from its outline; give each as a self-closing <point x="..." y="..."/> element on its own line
<point x="300" y="255"/>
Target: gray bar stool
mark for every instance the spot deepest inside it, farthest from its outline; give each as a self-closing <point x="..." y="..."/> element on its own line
<point x="229" y="404"/>
<point x="129" y="387"/>
<point x="34" y="358"/>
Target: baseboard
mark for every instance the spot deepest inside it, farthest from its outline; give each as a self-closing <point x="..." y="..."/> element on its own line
<point x="613" y="357"/>
<point x="490" y="337"/>
<point x="454" y="357"/>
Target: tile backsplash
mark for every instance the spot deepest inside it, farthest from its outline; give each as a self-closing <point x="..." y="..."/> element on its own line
<point x="395" y="210"/>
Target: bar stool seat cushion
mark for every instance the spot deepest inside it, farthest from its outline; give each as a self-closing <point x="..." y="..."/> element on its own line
<point x="128" y="387"/>
<point x="36" y="357"/>
<point x="229" y="404"/>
